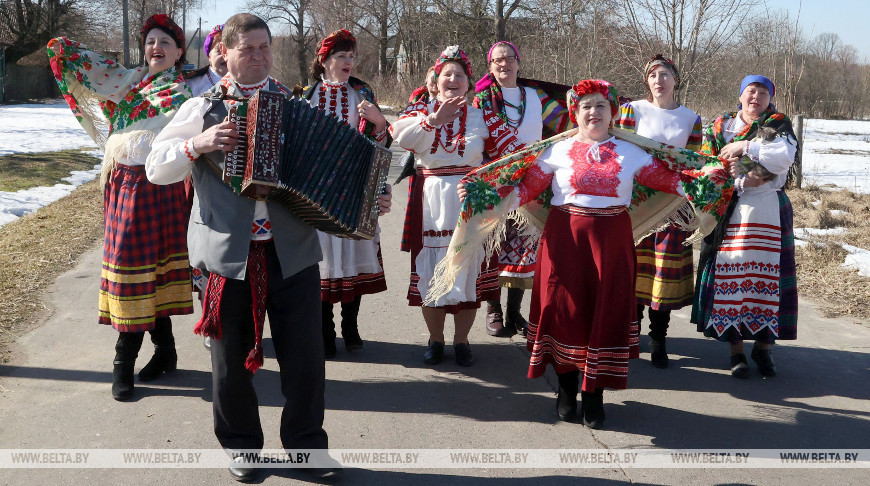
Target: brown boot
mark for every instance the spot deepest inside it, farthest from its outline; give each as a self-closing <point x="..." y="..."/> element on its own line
<point x="495" y="320"/>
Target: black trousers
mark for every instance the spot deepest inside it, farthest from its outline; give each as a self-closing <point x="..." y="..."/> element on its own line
<point x="293" y="309"/>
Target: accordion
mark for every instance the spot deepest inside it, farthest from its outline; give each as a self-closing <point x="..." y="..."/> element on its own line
<point x="316" y="166"/>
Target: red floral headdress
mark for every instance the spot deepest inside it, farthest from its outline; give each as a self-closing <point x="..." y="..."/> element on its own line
<point x="589" y="86"/>
<point x="453" y="54"/>
<point x="329" y="42"/>
<point x="166" y="24"/>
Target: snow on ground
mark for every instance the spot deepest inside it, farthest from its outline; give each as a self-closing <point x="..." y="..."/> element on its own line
<point x="849" y="167"/>
<point x="51" y="127"/>
<point x="41" y="128"/>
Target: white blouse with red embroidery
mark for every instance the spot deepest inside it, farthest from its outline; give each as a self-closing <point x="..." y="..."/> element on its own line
<point x="595" y="176"/>
<point x="463" y="142"/>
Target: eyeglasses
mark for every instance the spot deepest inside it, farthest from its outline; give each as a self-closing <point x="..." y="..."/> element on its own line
<point x="506" y="60"/>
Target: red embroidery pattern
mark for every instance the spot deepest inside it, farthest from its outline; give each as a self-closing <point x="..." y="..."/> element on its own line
<point x="657" y="176"/>
<point x="502" y="139"/>
<point x="332" y="91"/>
<point x="595" y="177"/>
<point x="438" y="233"/>
<point x="187" y="150"/>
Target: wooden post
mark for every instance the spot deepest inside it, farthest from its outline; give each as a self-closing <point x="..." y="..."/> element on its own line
<point x="799" y="157"/>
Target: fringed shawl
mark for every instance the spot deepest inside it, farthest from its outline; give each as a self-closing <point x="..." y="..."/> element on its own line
<point x="490" y="194"/>
<point x="120" y="109"/>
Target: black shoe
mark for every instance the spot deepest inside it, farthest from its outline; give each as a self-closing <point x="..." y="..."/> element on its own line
<point x="242" y="471"/>
<point x="764" y="361"/>
<point x="434" y="353"/>
<point x="592" y="407"/>
<point x="658" y="353"/>
<point x="122" y="381"/>
<point x="464" y="357"/>
<point x="165" y="360"/>
<point x="739" y="368"/>
<point x="352" y="341"/>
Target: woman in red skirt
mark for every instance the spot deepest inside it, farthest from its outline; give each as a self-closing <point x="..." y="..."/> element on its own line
<point x="146" y="272"/>
<point x="583" y="317"/>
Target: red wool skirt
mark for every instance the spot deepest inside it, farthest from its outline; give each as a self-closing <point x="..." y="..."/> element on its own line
<point x="583" y="312"/>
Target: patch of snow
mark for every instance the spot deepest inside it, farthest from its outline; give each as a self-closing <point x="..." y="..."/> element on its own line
<point x="839" y="212"/>
<point x="858" y="258"/>
<point x="31" y="128"/>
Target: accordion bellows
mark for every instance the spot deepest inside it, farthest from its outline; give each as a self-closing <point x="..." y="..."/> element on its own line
<point x="316" y="166"/>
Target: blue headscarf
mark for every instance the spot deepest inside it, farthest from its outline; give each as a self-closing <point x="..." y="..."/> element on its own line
<point x="756" y="78"/>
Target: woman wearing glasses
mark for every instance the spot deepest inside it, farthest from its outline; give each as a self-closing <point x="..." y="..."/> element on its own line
<point x="531" y="113"/>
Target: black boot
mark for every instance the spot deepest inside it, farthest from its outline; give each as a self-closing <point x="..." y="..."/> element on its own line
<point x="514" y="318"/>
<point x="350" y="324"/>
<point x="593" y="408"/>
<point x="165" y="358"/>
<point x="328" y="331"/>
<point x="126" y="350"/>
<point x="566" y="402"/>
<point x="658" y="331"/>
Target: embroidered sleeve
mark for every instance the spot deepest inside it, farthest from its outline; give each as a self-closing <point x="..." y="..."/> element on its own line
<point x="172" y="154"/>
<point x="554" y="113"/>
<point x="696" y="138"/>
<point x="537" y="179"/>
<point x="627" y="120"/>
<point x="501" y="140"/>
<point x="658" y="176"/>
<point x="777" y="156"/>
<point x="411" y="131"/>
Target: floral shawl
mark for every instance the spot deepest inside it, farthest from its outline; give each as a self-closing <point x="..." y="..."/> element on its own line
<point x="490" y="194"/>
<point x="120" y="109"/>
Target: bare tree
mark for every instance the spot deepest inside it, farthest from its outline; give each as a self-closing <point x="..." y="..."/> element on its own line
<point x="694" y="32"/>
<point x="28" y="25"/>
<point x="296" y="15"/>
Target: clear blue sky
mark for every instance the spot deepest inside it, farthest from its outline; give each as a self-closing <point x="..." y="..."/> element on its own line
<point x="846" y="18"/>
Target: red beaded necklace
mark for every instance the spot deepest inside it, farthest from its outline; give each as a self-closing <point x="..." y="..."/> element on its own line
<point x="453" y="141"/>
<point x="332" y="91"/>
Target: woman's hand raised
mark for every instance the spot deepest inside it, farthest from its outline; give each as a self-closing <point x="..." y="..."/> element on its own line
<point x="448" y="111"/>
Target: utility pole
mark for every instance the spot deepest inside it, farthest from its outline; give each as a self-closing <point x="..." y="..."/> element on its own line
<point x="199" y="51"/>
<point x="126" y="35"/>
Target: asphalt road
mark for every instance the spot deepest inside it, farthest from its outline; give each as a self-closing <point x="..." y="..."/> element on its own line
<point x="56" y="394"/>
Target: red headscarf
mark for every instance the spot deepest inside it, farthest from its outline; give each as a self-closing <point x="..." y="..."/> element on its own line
<point x="329" y="42"/>
<point x="166" y="24"/>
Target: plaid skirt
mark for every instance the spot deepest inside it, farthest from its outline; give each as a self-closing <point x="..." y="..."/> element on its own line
<point x="146" y="273"/>
<point x="753" y="320"/>
<point x="582" y="310"/>
<point x="664" y="270"/>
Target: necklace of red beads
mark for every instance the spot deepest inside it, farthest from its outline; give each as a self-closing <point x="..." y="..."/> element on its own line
<point x="332" y="90"/>
<point x="454" y="142"/>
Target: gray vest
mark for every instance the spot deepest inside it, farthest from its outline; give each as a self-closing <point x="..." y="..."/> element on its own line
<point x="219" y="235"/>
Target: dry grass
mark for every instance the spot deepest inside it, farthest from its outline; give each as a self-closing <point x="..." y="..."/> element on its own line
<point x="837" y="292"/>
<point x="37" y="248"/>
<point x="26" y="170"/>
